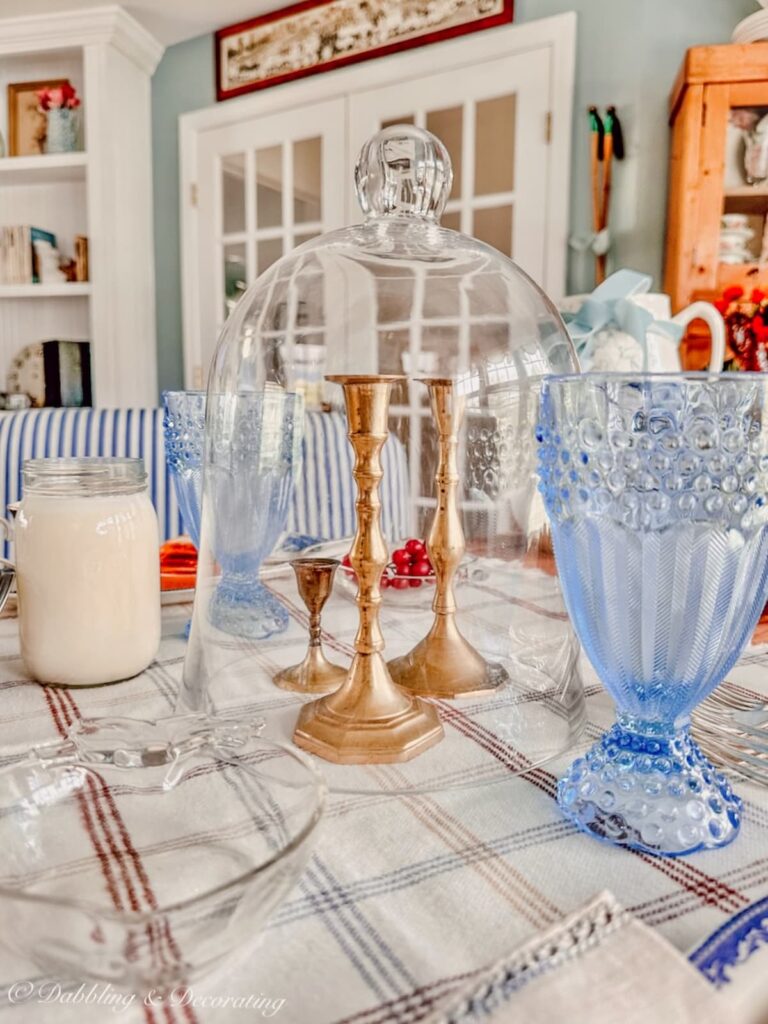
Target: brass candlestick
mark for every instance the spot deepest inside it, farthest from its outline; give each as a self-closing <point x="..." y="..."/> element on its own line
<point x="315" y="674"/>
<point x="444" y="664"/>
<point x="368" y="720"/>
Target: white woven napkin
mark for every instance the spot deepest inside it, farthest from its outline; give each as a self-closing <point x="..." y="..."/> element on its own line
<point x="600" y="965"/>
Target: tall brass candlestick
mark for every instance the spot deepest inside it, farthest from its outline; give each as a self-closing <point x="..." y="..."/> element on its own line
<point x="368" y="720"/>
<point x="444" y="663"/>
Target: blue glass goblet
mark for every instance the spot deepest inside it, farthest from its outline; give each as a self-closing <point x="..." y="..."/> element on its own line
<point x="251" y="481"/>
<point x="253" y="454"/>
<point x="184" y="435"/>
<point x="657" y="491"/>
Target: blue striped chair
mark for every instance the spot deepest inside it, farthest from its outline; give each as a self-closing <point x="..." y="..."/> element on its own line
<point x="133" y="433"/>
<point x="324" y="498"/>
<point x="323" y="502"/>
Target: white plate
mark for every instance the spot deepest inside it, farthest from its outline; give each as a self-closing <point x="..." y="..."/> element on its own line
<point x="753" y="28"/>
<point x="185" y="596"/>
<point x="734" y="258"/>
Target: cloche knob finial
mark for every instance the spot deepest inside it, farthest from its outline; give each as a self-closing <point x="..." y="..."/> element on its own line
<point x="403" y="171"/>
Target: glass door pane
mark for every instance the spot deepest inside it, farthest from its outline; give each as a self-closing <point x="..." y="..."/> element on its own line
<point x="448" y="126"/>
<point x="269" y="187"/>
<point x="235" y="275"/>
<point x="307" y="180"/>
<point x="268" y="251"/>
<point x="233" y="193"/>
<point x="494" y="226"/>
<point x="495" y="145"/>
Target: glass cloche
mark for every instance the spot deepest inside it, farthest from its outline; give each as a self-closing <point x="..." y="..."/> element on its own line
<point x="397" y="294"/>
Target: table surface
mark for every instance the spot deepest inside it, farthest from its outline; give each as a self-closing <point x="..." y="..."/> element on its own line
<point x="405" y="895"/>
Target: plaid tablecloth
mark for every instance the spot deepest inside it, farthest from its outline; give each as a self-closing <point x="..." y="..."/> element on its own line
<point x="405" y="895"/>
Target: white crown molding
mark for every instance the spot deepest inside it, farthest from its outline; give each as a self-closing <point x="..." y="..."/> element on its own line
<point x="110" y="24"/>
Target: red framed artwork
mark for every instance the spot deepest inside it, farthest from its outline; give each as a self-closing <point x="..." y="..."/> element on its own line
<point x="319" y="35"/>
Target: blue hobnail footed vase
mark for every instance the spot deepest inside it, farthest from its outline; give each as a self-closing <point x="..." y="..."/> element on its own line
<point x="656" y="487"/>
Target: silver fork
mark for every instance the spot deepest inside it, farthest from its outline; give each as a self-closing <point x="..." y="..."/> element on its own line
<point x="732" y="730"/>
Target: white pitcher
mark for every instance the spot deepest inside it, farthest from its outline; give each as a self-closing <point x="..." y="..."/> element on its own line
<point x="607" y="326"/>
<point x="663" y="352"/>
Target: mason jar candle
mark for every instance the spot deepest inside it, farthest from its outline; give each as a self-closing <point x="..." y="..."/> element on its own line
<point x="88" y="570"/>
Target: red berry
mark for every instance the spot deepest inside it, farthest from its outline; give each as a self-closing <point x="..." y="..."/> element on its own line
<point x="417" y="548"/>
<point x="401" y="557"/>
<point x="399" y="583"/>
<point x="421" y="568"/>
<point x="415" y="583"/>
<point x="346" y="560"/>
<point x="385" y="581"/>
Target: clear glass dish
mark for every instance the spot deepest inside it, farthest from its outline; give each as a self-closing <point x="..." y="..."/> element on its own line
<point x="143" y="854"/>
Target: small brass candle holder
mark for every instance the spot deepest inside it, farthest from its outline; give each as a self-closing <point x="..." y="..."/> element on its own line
<point x="315" y="674"/>
<point x="444" y="664"/>
<point x="368" y="720"/>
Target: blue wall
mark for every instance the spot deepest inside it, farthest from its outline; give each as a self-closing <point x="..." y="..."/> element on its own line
<point x="628" y="54"/>
<point x="184" y="81"/>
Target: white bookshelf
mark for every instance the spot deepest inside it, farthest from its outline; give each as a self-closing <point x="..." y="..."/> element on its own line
<point x="103" y="192"/>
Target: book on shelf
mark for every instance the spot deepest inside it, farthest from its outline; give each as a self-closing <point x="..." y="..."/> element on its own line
<point x="81" y="258"/>
<point x="29" y="255"/>
<point x="16" y="255"/>
<point x="67" y="373"/>
<point x="38" y="235"/>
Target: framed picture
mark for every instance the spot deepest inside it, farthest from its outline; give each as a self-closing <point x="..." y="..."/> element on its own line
<point x="26" y="123"/>
<point x="318" y="35"/>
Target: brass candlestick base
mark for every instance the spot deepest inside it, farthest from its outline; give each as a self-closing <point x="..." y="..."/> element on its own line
<point x="368" y="720"/>
<point x="444" y="663"/>
<point x="315" y="674"/>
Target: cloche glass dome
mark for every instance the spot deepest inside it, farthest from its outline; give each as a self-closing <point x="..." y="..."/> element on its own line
<point x="396" y="294"/>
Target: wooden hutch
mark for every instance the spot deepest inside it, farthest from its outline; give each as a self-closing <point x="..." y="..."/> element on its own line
<point x="717" y="88"/>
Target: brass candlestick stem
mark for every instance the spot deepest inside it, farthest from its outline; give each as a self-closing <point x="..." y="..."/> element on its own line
<point x="315" y="674"/>
<point x="444" y="663"/>
<point x="368" y="720"/>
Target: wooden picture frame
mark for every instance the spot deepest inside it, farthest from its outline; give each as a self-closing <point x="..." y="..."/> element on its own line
<point x="26" y="124"/>
<point x="319" y="35"/>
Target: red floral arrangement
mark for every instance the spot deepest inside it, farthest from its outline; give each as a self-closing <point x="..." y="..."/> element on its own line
<point x="746" y="324"/>
<point x="58" y="98"/>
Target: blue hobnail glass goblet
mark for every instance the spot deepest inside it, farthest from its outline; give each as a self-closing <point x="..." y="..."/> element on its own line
<point x="184" y="435"/>
<point x="253" y="455"/>
<point x="656" y="488"/>
<point x="251" y="476"/>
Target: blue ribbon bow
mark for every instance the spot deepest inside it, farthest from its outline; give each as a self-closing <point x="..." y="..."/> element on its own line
<point x="610" y="303"/>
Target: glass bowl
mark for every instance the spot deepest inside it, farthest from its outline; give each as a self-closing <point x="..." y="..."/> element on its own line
<point x="408" y="592"/>
<point x="144" y="854"/>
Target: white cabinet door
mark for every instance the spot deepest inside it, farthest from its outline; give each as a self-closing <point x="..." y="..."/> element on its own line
<point x="494" y="119"/>
<point x="264" y="186"/>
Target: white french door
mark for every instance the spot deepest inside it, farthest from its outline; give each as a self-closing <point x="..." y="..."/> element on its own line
<point x="262" y="173"/>
<point x="264" y="186"/>
<point x="493" y="117"/>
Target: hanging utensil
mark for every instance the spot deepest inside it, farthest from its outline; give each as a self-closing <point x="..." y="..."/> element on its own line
<point x="613" y="146"/>
<point x="597" y="133"/>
